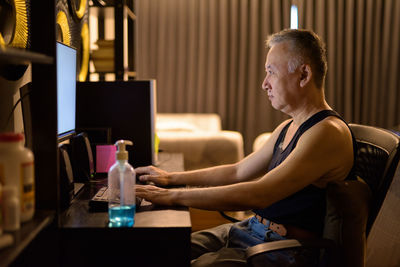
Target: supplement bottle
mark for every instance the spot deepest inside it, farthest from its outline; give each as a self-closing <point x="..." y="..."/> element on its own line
<point x="17" y="169"/>
<point x="10" y="209"/>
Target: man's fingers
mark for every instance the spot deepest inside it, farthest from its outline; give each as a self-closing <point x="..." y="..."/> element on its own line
<point x="143" y="178"/>
<point x="147" y="178"/>
<point x="145" y="169"/>
<point x="144" y="188"/>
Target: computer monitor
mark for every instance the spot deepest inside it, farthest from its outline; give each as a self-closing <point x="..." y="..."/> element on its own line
<point x="126" y="108"/>
<point x="66" y="91"/>
<point x="66" y="96"/>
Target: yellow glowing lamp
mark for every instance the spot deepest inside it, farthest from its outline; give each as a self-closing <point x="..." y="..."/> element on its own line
<point x="62" y="21"/>
<point x="20" y="33"/>
<point x="85" y="53"/>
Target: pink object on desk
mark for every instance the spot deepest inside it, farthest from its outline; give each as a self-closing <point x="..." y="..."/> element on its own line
<point x="105" y="157"/>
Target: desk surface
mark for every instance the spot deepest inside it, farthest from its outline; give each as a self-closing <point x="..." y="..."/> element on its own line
<point x="163" y="232"/>
<point x="77" y="215"/>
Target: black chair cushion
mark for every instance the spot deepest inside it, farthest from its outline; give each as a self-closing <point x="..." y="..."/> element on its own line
<point x="370" y="163"/>
<point x="346" y="219"/>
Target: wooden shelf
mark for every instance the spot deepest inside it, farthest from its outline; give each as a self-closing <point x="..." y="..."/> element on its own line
<point x="130" y="13"/>
<point x="25" y="235"/>
<point x="16" y="56"/>
<point x="124" y="27"/>
<point x="102" y="3"/>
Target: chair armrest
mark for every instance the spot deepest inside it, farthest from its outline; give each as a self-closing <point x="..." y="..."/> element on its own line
<point x="322" y="243"/>
<point x="272" y="246"/>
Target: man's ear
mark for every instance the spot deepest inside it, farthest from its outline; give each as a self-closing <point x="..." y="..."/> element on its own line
<point x="305" y="74"/>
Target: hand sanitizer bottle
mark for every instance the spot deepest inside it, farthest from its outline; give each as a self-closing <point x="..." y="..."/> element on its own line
<point x="121" y="189"/>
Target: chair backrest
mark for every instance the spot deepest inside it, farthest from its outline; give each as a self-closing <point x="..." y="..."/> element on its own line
<point x="352" y="206"/>
<point x="346" y="222"/>
<point x="383" y="240"/>
<point x="378" y="155"/>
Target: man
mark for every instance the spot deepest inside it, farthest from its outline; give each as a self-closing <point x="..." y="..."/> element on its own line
<point x="283" y="182"/>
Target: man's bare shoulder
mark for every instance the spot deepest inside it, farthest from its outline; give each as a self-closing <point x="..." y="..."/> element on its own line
<point x="331" y="136"/>
<point x="330" y="145"/>
<point x="331" y="127"/>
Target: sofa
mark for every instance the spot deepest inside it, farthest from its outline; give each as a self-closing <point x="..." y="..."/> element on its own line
<point x="200" y="138"/>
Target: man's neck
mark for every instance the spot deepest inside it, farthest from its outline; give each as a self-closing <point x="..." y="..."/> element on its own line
<point x="309" y="108"/>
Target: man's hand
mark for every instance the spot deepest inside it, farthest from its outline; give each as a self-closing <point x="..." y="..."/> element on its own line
<point x="153" y="174"/>
<point x="155" y="195"/>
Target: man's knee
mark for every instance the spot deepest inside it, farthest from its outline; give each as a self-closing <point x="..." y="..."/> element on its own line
<point x="209" y="240"/>
<point x="225" y="257"/>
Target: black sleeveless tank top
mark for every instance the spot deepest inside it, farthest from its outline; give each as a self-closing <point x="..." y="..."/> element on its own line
<point x="305" y="208"/>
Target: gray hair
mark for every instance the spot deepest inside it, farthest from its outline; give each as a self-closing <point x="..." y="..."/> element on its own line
<point x="306" y="47"/>
<point x="294" y="63"/>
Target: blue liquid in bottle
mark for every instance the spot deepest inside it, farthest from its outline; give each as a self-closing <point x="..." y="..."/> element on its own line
<point x="121" y="216"/>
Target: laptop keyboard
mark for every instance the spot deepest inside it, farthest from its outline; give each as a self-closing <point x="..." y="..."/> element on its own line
<point x="100" y="201"/>
<point x="101" y="195"/>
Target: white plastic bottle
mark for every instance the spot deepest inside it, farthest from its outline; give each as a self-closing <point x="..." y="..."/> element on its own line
<point x="121" y="189"/>
<point x="11" y="209"/>
<point x="17" y="169"/>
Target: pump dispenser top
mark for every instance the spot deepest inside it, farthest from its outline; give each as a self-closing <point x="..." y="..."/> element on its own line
<point x="121" y="153"/>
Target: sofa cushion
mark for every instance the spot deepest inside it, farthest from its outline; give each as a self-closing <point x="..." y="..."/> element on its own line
<point x="199" y="138"/>
<point x="189" y="122"/>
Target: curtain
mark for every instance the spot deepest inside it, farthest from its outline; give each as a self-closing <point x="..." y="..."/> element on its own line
<point x="209" y="56"/>
<point x="362" y="38"/>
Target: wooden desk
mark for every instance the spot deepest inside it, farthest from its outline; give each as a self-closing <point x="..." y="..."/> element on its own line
<point x="159" y="237"/>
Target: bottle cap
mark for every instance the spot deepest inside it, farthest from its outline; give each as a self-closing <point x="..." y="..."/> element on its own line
<point x="11" y="137"/>
<point x="121" y="153"/>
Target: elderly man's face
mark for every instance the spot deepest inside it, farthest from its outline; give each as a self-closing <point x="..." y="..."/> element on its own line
<point x="281" y="86"/>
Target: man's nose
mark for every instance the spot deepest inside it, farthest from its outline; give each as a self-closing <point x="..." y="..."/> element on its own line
<point x="265" y="85"/>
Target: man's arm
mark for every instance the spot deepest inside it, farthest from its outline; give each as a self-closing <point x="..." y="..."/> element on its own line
<point x="253" y="166"/>
<point x="323" y="153"/>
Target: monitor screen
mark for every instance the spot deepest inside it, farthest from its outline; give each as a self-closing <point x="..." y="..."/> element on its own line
<point x="66" y="89"/>
<point x="127" y="109"/>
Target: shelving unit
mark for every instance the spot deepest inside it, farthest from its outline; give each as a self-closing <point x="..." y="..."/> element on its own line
<point x="43" y="102"/>
<point x="124" y="36"/>
<point x="15" y="56"/>
<point x="22" y="238"/>
<point x="44" y="227"/>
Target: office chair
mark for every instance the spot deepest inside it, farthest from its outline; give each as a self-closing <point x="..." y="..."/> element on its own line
<point x="383" y="239"/>
<point x="352" y="206"/>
